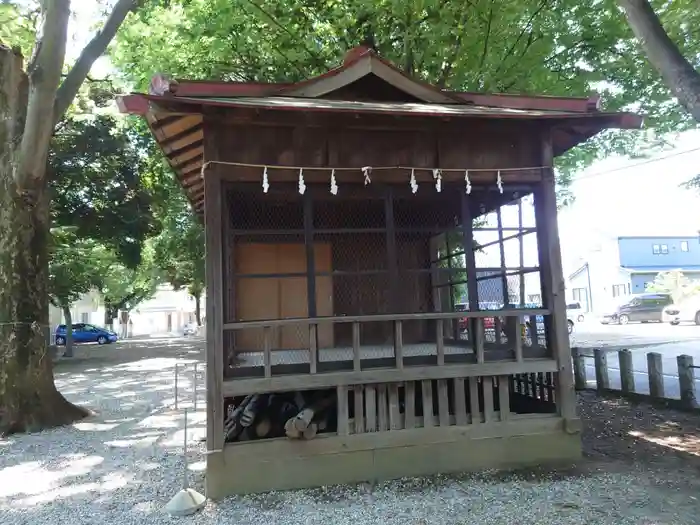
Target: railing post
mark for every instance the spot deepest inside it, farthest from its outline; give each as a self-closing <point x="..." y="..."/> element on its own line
<point x="626" y="371"/>
<point x="602" y="378"/>
<point x="580" y="381"/>
<point x="686" y="380"/>
<point x="656" y="374"/>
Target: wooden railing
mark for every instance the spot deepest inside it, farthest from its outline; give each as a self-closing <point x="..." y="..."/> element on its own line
<point x="511" y="344"/>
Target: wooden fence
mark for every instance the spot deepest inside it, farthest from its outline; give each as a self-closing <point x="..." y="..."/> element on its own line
<point x="655" y="373"/>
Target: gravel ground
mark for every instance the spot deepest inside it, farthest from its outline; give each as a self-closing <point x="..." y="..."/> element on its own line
<point x="642" y="464"/>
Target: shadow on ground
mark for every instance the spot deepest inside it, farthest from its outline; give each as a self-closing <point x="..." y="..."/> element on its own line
<point x="128" y="456"/>
<point x="641" y="464"/>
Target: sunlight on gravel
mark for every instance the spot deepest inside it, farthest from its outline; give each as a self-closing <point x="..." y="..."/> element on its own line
<point x="124" y="464"/>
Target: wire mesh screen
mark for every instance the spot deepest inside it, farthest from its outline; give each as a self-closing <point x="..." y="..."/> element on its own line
<point x="375" y="250"/>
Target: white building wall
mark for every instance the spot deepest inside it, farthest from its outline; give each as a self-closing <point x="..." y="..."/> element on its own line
<point x="605" y="272"/>
<point x="167" y="312"/>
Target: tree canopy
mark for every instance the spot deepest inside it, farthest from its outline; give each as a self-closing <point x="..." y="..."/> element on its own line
<point x="99" y="185"/>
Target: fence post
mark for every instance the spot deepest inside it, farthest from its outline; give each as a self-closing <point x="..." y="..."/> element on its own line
<point x="580" y="381"/>
<point x="602" y="377"/>
<point x="626" y="371"/>
<point x="686" y="379"/>
<point x="656" y="374"/>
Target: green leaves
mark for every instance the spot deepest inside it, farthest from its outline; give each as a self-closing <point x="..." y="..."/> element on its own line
<point x="123" y="288"/>
<point x="97" y="188"/>
<point x="179" y="249"/>
<point x="674" y="282"/>
<point x="75" y="266"/>
<point x="17" y="27"/>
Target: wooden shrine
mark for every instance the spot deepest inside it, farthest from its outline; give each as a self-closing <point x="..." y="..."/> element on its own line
<point x="357" y="328"/>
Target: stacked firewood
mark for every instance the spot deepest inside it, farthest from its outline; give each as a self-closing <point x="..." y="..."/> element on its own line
<point x="296" y="415"/>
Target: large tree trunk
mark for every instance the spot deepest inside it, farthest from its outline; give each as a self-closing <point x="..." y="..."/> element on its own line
<point x="28" y="397"/>
<point x="110" y="315"/>
<point x="69" y="331"/>
<point x="678" y="73"/>
<point x="30" y="106"/>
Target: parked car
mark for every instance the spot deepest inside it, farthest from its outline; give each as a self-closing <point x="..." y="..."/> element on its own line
<point x="490" y="322"/>
<point x="687" y="311"/>
<point x="643" y="308"/>
<point x="85" y="333"/>
<point x="190" y="329"/>
<point x="576" y="311"/>
<point x="539" y="320"/>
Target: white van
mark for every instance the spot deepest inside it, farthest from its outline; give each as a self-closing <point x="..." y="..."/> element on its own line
<point x="575" y="311"/>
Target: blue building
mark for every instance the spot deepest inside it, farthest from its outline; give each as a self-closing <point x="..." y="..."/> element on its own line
<point x="624" y="266"/>
<point x="645" y="257"/>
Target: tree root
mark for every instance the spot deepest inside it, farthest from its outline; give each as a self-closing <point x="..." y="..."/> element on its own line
<point x="52" y="411"/>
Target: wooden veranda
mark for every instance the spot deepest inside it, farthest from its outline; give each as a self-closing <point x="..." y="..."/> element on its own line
<point x="358" y="236"/>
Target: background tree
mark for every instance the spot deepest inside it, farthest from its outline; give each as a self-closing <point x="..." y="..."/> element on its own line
<point x="72" y="272"/>
<point x="31" y="105"/>
<point x="675" y="283"/>
<point x="123" y="289"/>
<point x="99" y="185"/>
<point x="179" y="249"/>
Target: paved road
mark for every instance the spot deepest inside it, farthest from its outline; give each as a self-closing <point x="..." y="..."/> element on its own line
<point x="595" y="335"/>
<point x="669" y="341"/>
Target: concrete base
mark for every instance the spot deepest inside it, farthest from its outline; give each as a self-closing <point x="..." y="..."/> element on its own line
<point x="185" y="502"/>
<point x="279" y="464"/>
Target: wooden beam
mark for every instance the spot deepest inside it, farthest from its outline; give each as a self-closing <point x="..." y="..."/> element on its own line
<point x="502" y="252"/>
<point x="243" y="386"/>
<point x="552" y="280"/>
<point x="475" y="325"/>
<point x="378" y="318"/>
<point x="189" y="162"/>
<point x="165" y="121"/>
<point x="392" y="260"/>
<point x="215" y="320"/>
<point x="196" y="145"/>
<point x="165" y="143"/>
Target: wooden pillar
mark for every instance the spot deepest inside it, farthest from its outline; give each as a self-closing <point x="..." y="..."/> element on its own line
<point x="392" y="261"/>
<point x="310" y="259"/>
<point x="502" y="252"/>
<point x="310" y="279"/>
<point x="213" y="205"/>
<point x="521" y="253"/>
<point x="472" y="284"/>
<point x="454" y="325"/>
<point x="552" y="282"/>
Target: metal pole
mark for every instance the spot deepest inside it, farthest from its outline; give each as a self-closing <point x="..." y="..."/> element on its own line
<point x="185" y="480"/>
<point x="194" y="386"/>
<point x="176" y="366"/>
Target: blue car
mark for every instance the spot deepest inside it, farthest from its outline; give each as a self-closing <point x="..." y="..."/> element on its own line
<point x="85" y="333"/>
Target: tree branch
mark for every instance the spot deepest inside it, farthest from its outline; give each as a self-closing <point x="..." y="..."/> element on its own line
<point x="526" y="28"/>
<point x="320" y="62"/>
<point x="663" y="54"/>
<point x="449" y="65"/>
<point x="44" y="72"/>
<point x="92" y="51"/>
<point x="486" y="39"/>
